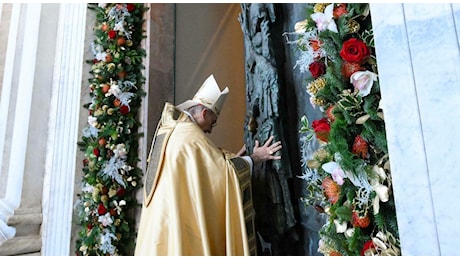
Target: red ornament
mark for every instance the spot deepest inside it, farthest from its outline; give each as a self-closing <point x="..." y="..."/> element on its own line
<point x="105" y="88"/>
<point x="102" y="141"/>
<point x="104" y="27"/>
<point x="96" y="151"/>
<point x="121" y="41"/>
<point x="116" y="102"/>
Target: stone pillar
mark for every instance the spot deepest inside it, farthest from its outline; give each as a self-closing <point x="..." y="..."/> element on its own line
<point x="40" y="101"/>
<point x="418" y="60"/>
<point x="63" y="130"/>
<point x="16" y="101"/>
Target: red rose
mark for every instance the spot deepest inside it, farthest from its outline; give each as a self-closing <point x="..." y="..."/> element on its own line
<point x="317" y="68"/>
<point x="130" y="7"/>
<point x="354" y="50"/>
<point x="101" y="210"/>
<point x="322" y="129"/>
<point x="124" y="110"/>
<point x="121" y="192"/>
<point x="112" y="34"/>
<point x="340" y="10"/>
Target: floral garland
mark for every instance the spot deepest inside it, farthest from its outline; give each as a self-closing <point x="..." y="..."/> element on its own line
<point x="348" y="172"/>
<point x="110" y="140"/>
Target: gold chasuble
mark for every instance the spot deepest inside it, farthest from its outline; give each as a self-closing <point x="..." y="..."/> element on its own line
<point x="197" y="197"/>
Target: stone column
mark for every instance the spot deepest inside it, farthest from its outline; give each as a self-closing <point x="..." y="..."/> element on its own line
<point x="40" y="102"/>
<point x="16" y="100"/>
<point x="418" y="60"/>
<point x="63" y="130"/>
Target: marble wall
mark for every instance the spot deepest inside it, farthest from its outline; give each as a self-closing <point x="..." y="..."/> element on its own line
<point x="418" y="59"/>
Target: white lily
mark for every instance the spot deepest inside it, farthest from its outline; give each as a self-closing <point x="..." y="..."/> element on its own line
<point x="325" y="21"/>
<point x="105" y="220"/>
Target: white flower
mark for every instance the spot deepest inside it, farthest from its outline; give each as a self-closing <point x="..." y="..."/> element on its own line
<point x="340" y="226"/>
<point x="92" y="121"/>
<point x="363" y="81"/>
<point x="101" y="56"/>
<point x="88" y="188"/>
<point x="382" y="192"/>
<point x="119" y="205"/>
<point x="336" y="171"/>
<point x="120" y="151"/>
<point x="114" y="90"/>
<point x="349" y="232"/>
<point x="325" y="21"/>
<point x="105" y="220"/>
<point x="119" y="26"/>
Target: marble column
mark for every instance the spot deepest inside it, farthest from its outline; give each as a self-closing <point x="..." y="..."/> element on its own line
<point x="418" y="59"/>
<point x="63" y="130"/>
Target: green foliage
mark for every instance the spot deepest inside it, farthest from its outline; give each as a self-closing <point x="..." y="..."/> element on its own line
<point x="356" y="140"/>
<point x="111" y="176"/>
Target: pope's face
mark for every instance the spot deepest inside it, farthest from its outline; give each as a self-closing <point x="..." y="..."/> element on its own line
<point x="207" y="120"/>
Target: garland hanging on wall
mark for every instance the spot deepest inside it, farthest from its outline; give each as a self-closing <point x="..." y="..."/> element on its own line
<point x="111" y="176"/>
<point x="348" y="175"/>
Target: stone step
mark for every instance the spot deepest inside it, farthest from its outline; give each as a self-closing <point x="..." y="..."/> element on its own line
<point x="28" y="219"/>
<point x="27" y="245"/>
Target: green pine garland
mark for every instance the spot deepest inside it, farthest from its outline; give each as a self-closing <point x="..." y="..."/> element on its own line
<point x="360" y="211"/>
<point x="111" y="177"/>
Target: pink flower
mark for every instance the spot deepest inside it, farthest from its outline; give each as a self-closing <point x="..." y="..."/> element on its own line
<point x="363" y="81"/>
<point x="325" y="21"/>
